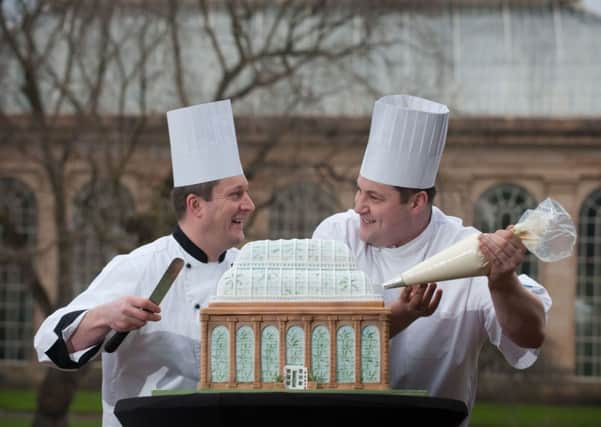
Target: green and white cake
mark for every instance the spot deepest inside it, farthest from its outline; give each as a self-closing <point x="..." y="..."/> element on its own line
<point x="292" y="312"/>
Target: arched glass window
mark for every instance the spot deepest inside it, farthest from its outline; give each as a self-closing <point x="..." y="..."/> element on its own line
<point x="320" y="354"/>
<point x="298" y="209"/>
<point x="370" y="354"/>
<point x="588" y="294"/>
<point x="270" y="354"/>
<point x="101" y="210"/>
<point x="500" y="206"/>
<point x="345" y="354"/>
<point x="18" y="213"/>
<point x="220" y="355"/>
<point x="245" y="355"/>
<point x="295" y="346"/>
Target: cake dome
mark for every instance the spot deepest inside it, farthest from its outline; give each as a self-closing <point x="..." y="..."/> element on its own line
<point x="295" y="269"/>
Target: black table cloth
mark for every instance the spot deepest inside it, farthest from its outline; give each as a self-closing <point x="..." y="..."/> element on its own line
<point x="289" y="409"/>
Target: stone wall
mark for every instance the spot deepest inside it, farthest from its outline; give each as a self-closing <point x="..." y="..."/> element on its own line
<point x="549" y="158"/>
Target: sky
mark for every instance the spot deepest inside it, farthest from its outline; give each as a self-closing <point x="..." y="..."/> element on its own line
<point x="593" y="5"/>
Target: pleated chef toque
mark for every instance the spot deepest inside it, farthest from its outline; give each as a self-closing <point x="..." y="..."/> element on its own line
<point x="203" y="143"/>
<point x="406" y="140"/>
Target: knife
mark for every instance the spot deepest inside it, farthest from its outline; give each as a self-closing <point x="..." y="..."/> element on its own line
<point x="156" y="297"/>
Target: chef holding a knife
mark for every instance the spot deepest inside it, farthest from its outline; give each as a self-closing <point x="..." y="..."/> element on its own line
<point x="159" y="324"/>
<point x="394" y="226"/>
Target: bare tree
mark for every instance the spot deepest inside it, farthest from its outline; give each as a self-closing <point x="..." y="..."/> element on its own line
<point x="88" y="72"/>
<point x="69" y="57"/>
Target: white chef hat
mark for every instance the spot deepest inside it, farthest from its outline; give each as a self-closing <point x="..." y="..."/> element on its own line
<point x="203" y="143"/>
<point x="406" y="140"/>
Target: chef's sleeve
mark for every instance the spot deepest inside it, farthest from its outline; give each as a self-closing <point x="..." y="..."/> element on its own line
<point x="516" y="356"/>
<point x="119" y="277"/>
<point x="50" y="341"/>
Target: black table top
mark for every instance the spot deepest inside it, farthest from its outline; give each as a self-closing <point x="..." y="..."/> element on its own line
<point x="287" y="408"/>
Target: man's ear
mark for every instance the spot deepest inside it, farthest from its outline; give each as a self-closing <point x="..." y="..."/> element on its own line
<point x="419" y="200"/>
<point x="195" y="205"/>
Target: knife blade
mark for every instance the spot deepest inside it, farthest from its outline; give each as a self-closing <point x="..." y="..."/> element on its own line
<point x="156" y="297"/>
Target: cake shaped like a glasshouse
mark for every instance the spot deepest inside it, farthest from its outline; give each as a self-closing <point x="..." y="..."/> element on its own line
<point x="295" y="270"/>
<point x="294" y="311"/>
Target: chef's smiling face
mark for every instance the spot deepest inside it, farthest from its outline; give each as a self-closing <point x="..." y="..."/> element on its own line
<point x="385" y="221"/>
<point x="228" y="210"/>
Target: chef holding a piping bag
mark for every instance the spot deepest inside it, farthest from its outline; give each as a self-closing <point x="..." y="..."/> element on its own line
<point x="437" y="330"/>
<point x="162" y="349"/>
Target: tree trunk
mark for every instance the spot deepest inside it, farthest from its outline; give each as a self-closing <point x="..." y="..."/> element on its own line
<point x="55" y="395"/>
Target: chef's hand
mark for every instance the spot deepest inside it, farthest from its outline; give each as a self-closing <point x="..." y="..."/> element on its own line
<point x="414" y="302"/>
<point x="122" y="315"/>
<point x="519" y="312"/>
<point x="505" y="252"/>
<point x="130" y="312"/>
<point x="421" y="300"/>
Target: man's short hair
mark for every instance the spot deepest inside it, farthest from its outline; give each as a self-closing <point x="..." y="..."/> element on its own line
<point x="179" y="194"/>
<point x="408" y="192"/>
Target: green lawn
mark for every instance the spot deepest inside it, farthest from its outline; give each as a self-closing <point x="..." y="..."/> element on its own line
<point x="487" y="414"/>
<point x="16" y="400"/>
<point x="25" y="421"/>
<point x="16" y="407"/>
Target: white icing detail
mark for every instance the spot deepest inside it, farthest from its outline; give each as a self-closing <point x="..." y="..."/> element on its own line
<point x="295" y="270"/>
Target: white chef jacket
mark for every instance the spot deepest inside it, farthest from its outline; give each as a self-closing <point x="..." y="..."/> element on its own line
<point x="438" y="353"/>
<point x="161" y="355"/>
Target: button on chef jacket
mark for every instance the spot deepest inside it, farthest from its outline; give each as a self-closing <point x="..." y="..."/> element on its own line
<point x="438" y="353"/>
<point x="162" y="355"/>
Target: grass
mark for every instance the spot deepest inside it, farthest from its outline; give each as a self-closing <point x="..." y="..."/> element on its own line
<point x="18" y="400"/>
<point x="17" y="407"/>
<point x="26" y="419"/>
<point x="489" y="414"/>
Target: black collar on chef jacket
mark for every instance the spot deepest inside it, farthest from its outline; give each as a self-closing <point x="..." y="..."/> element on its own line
<point x="191" y="248"/>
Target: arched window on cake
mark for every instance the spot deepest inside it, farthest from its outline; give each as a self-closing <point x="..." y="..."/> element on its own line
<point x="245" y="355"/>
<point x="295" y="346"/>
<point x="345" y="354"/>
<point x="18" y="220"/>
<point x="270" y="354"/>
<point x="298" y="208"/>
<point x="370" y="354"/>
<point x="101" y="210"/>
<point x="588" y="294"/>
<point x="320" y="354"/>
<point x="220" y="355"/>
<point x="500" y="206"/>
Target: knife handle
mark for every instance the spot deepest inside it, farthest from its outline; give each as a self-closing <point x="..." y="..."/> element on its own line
<point x="114" y="341"/>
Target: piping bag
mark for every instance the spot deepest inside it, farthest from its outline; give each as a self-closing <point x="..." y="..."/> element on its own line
<point x="547" y="231"/>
